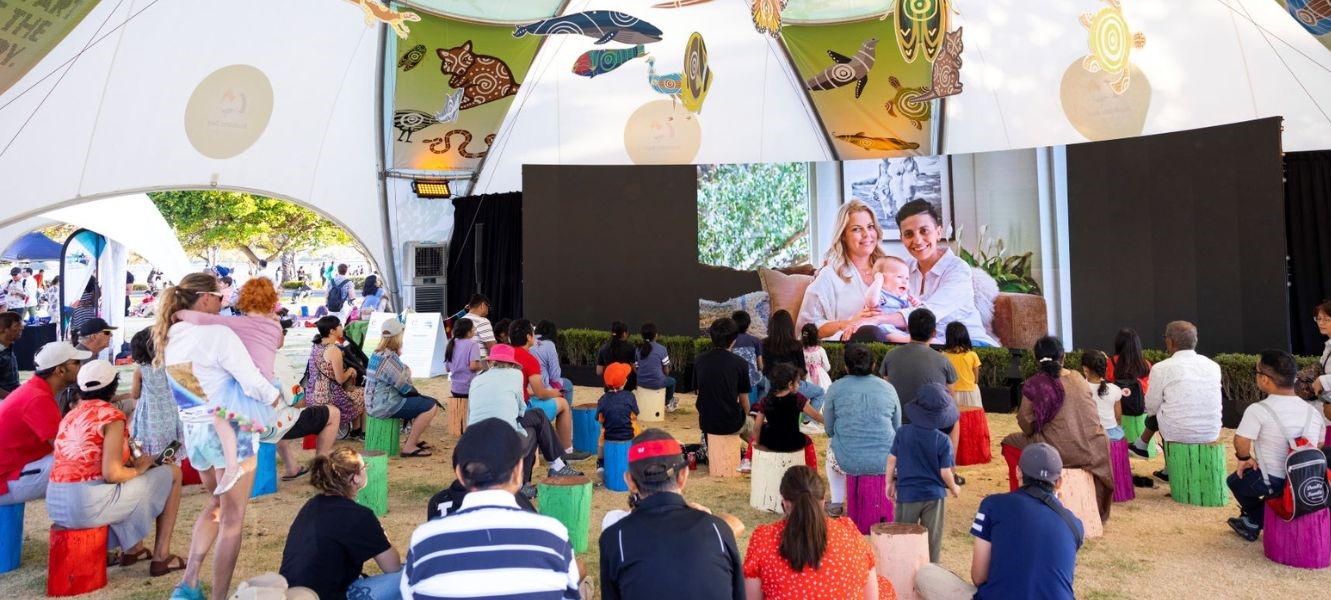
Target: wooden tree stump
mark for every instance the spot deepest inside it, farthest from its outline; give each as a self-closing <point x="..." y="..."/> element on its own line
<point x="586" y="429"/>
<point x="1012" y="455"/>
<point x="1197" y="473"/>
<point x="455" y="416"/>
<point x="77" y="561"/>
<point x="1132" y="431"/>
<point x="1304" y="542"/>
<point x="265" y="471"/>
<point x="616" y="465"/>
<point x="723" y="455"/>
<point x="867" y="503"/>
<point x="11" y="536"/>
<point x="374" y="495"/>
<point x="1118" y="458"/>
<point x="973" y="447"/>
<point x="768" y="469"/>
<point x="568" y="500"/>
<point x="1077" y="493"/>
<point x="188" y="474"/>
<point x="651" y="404"/>
<point x="383" y="435"/>
<point x="901" y="549"/>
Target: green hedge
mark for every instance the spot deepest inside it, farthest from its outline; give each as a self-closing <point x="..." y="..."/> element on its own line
<point x="291" y="284"/>
<point x="579" y="347"/>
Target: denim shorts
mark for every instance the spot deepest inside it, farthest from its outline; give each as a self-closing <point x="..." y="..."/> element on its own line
<point x="204" y="450"/>
<point x="412" y="407"/>
<point x="549" y="406"/>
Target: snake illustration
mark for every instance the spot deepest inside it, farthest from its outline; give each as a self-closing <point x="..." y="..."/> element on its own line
<point x="462" y="148"/>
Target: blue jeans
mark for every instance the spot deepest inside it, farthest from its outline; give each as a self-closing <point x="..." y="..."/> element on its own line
<point x="669" y="388"/>
<point x="380" y="587"/>
<point x="813" y="393"/>
<point x="1251" y="491"/>
<point x="566" y="387"/>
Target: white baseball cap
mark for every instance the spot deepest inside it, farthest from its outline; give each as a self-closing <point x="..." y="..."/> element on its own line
<point x="392" y="327"/>
<point x="58" y="353"/>
<point x="96" y="375"/>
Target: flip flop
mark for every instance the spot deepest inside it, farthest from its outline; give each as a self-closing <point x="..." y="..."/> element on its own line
<point x="158" y="568"/>
<point x="129" y="558"/>
<point x="423" y="445"/>
<point x="301" y="473"/>
<point x="417" y="453"/>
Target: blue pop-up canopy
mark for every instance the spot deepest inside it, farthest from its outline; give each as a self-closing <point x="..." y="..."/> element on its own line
<point x="33" y="246"/>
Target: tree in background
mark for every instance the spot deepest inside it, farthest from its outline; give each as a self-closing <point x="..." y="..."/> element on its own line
<point x="753" y="215"/>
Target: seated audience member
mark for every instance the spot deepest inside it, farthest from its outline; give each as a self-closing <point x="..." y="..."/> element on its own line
<point x="704" y="561"/>
<point x="776" y="425"/>
<point x="330" y="382"/>
<point x="1108" y="396"/>
<point x="11" y="328"/>
<point x="1261" y="442"/>
<point x="1183" y="400"/>
<point x="547" y="353"/>
<point x="490" y="534"/>
<point x="30" y="420"/>
<point x="94" y="337"/>
<point x="1057" y="409"/>
<point x="723" y="386"/>
<point x="501" y="331"/>
<point x="617" y="409"/>
<point x="389" y="393"/>
<point x="618" y="349"/>
<point x="919" y="470"/>
<point x="95" y="482"/>
<point x="861" y="415"/>
<point x="465" y="357"/>
<point x="478" y="309"/>
<point x="654" y="366"/>
<point x="1026" y="542"/>
<point x="537" y="394"/>
<point x="783" y="345"/>
<point x="809" y="554"/>
<point x="750" y="348"/>
<point x="332" y="536"/>
<point x="909" y="366"/>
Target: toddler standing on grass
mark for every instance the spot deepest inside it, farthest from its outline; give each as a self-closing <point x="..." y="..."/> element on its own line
<point x="919" y="469"/>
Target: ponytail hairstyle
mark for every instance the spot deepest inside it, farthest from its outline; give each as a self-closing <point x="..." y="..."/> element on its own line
<point x="1128" y="360"/>
<point x="326" y="326"/>
<point x="619" y="330"/>
<point x="648" y="336"/>
<point x="1048" y="353"/>
<point x="1097" y="363"/>
<point x="460" y="330"/>
<point x="809" y="336"/>
<point x="804" y="540"/>
<point x="334" y="474"/>
<point x="957" y="339"/>
<point x="173" y="300"/>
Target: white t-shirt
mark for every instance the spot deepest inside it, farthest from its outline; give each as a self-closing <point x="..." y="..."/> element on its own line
<point x="1271" y="439"/>
<point x="218" y="356"/>
<point x="1104" y="403"/>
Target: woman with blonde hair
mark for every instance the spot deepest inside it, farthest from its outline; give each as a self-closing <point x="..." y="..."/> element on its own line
<point x="389" y="393"/>
<point x="203" y="361"/>
<point x="834" y="302"/>
<point x="332" y="536"/>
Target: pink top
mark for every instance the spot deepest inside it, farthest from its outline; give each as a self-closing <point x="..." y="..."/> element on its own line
<point x="262" y="336"/>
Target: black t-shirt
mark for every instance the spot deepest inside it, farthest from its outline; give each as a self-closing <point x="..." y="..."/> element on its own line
<point x="328" y="544"/>
<point x="771" y="358"/>
<point x="722" y="376"/>
<point x="667" y="550"/>
<point x="620" y="351"/>
<point x="449" y="500"/>
<point x="781" y="422"/>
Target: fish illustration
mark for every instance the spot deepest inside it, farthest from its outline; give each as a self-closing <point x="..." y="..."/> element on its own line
<point x="604" y="25"/>
<point x="449" y="112"/>
<point x="600" y="62"/>
<point x="846" y="69"/>
<point x="876" y="143"/>
<point x="697" y="74"/>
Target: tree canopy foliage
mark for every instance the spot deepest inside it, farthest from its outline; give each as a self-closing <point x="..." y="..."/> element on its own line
<point x="259" y="227"/>
<point x="753" y="215"/>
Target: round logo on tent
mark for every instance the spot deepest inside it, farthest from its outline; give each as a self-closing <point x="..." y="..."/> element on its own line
<point x="228" y="111"/>
<point x="659" y="133"/>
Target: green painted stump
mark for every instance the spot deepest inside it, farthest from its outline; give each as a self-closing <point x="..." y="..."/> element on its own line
<point x="1132" y="431"/>
<point x="568" y="500"/>
<point x="374" y="495"/>
<point x="382" y="435"/>
<point x="1197" y="473"/>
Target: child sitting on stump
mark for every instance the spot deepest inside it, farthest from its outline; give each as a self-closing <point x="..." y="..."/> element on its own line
<point x="617" y="410"/>
<point x="919" y="469"/>
<point x="777" y="421"/>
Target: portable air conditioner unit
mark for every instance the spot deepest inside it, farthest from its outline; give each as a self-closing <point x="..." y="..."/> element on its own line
<point x="426" y="268"/>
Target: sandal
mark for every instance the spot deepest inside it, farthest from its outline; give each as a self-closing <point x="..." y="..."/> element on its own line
<point x="129" y="558"/>
<point x="158" y="568"/>
<point x="301" y="473"/>
<point x="417" y="453"/>
<point x="423" y="445"/>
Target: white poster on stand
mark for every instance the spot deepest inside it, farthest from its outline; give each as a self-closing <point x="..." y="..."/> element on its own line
<point x="375" y="331"/>
<point x="423" y="344"/>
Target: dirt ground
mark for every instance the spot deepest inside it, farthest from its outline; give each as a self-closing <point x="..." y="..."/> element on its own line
<point x="1152" y="547"/>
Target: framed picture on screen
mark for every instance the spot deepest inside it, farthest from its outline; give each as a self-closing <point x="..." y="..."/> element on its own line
<point x="886" y="184"/>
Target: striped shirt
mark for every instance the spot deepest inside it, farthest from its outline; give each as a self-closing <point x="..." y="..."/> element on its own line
<point x="490" y="548"/>
<point x="484" y="333"/>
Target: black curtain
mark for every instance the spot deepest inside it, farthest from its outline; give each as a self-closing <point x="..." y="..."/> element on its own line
<point x="1308" y="229"/>
<point x="488" y="226"/>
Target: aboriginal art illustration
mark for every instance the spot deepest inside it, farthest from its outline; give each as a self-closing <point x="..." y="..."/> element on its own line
<point x="602" y="25"/>
<point x="462" y="148"/>
<point x="411" y="58"/>
<point x="946" y="77"/>
<point x="452" y="105"/>
<point x="1313" y="15"/>
<point x="395" y="20"/>
<point x="920" y="25"/>
<point x="846" y="69"/>
<point x="599" y="62"/>
<point x="697" y="74"/>
<point x="1111" y="44"/>
<point x="767" y="16"/>
<point x="410" y="121"/>
<point x="670" y="84"/>
<point x="679" y="3"/>
<point x="481" y="78"/>
<point x="876" y="143"/>
<point x="907" y="103"/>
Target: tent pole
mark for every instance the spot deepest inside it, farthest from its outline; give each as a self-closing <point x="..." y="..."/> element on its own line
<point x="388" y="271"/>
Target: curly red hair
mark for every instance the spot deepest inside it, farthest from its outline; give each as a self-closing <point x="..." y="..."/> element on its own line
<point x="257" y="296"/>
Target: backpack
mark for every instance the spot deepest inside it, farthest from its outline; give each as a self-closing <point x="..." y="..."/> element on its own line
<point x="1306" y="475"/>
<point x="337" y="296"/>
<point x="1134" y="401"/>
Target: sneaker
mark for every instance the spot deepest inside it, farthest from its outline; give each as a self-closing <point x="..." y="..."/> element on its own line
<point x="745" y="466"/>
<point x="184" y="592"/>
<point x="812" y="428"/>
<point x="576" y="456"/>
<point x="529" y="491"/>
<point x="1142" y="482"/>
<point x="958" y="479"/>
<point x="1244" y="529"/>
<point x="356" y="434"/>
<point x="1132" y="447"/>
<point x="672" y="405"/>
<point x="567" y="471"/>
<point x="1162" y="475"/>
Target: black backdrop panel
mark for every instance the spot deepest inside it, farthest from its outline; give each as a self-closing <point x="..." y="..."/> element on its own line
<point x="1188" y="226"/>
<point x="606" y="243"/>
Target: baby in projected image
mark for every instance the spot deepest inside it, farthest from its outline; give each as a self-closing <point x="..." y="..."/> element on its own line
<point x="889" y="293"/>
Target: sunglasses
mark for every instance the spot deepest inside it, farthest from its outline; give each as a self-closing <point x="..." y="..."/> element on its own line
<point x="219" y="295"/>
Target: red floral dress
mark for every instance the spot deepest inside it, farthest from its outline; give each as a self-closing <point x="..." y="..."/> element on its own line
<point x="840" y="575"/>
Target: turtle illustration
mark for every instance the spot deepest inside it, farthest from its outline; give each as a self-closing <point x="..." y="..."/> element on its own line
<point x="908" y="103"/>
<point x="1111" y="42"/>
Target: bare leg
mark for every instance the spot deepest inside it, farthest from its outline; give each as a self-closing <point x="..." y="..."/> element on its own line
<point x="227" y="437"/>
<point x="564" y="423"/>
<point x="166" y="522"/>
<point x="324" y="443"/>
<point x="290" y="464"/>
<point x="955" y="436"/>
<point x="231" y="523"/>
<point x="418" y="427"/>
<point x="205" y="530"/>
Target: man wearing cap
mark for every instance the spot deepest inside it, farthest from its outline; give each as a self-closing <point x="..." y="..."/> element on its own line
<point x="1026" y="542"/>
<point x="665" y="548"/>
<point x="94" y="337"/>
<point x="11" y="328"/>
<point x="14" y="298"/>
<point x="29" y="421"/>
<point x="458" y="556"/>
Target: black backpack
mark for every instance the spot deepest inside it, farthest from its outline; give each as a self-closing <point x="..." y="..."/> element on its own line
<point x="1306" y="488"/>
<point x="1134" y="401"/>
<point x="337" y="296"/>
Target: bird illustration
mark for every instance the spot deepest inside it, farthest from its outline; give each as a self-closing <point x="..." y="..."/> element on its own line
<point x="670" y="84"/>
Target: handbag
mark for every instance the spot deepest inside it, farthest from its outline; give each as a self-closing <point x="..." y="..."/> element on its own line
<point x="1303" y="382"/>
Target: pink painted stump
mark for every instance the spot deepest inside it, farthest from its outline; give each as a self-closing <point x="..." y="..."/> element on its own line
<point x="1304" y="542"/>
<point x="866" y="501"/>
<point x="1118" y="458"/>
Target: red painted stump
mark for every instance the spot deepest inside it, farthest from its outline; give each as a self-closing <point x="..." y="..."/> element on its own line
<point x="77" y="562"/>
<point x="867" y="503"/>
<point x="189" y="476"/>
<point x="1304" y="542"/>
<point x="309" y="442"/>
<point x="973" y="447"/>
<point x="1012" y="456"/>
<point x="1118" y="458"/>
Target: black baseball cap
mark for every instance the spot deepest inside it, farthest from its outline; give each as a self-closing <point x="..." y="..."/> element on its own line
<point x="487" y="450"/>
<point x="95" y="325"/>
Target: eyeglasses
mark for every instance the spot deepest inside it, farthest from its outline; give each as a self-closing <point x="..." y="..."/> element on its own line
<point x="219" y="295"/>
<point x="1321" y="319"/>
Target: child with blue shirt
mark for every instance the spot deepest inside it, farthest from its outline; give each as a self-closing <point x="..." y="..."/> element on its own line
<point x="617" y="410"/>
<point x="919" y="469"/>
